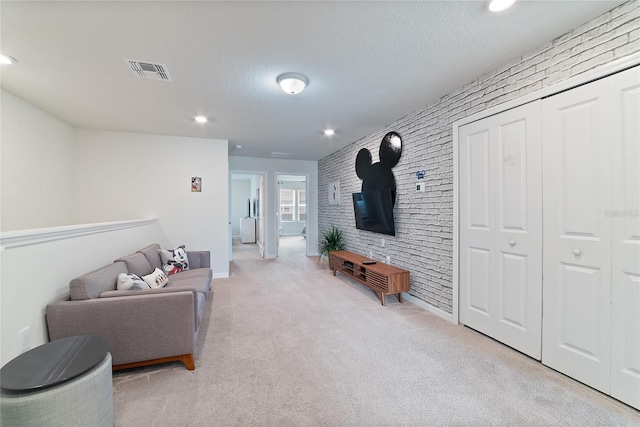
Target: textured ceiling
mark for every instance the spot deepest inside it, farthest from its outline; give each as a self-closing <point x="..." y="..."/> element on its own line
<point x="368" y="63"/>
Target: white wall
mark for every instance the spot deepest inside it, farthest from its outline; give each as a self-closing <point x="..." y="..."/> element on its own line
<point x="240" y="194"/>
<point x="36" y="167"/>
<point x="274" y="167"/>
<point x="33" y="276"/>
<point x="121" y="175"/>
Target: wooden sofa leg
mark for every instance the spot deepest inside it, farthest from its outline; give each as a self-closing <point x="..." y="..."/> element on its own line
<point x="187" y="359"/>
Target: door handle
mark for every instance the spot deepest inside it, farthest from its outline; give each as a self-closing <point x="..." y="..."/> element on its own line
<point x="512" y="242"/>
<point x="577" y="252"/>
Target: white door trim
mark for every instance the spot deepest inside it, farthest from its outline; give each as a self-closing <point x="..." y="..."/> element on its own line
<point x="586" y="77"/>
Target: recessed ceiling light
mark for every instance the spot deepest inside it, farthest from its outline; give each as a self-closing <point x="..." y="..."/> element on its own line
<point x="329" y="132"/>
<point x="6" y="59"/>
<point x="238" y="147"/>
<point x="201" y="119"/>
<point x="292" y="83"/>
<point x="500" y="5"/>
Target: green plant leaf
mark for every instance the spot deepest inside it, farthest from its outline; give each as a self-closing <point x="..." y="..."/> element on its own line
<point x="332" y="241"/>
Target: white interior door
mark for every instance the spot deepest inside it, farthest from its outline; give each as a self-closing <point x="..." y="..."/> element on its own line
<point x="501" y="227"/>
<point x="577" y="234"/>
<point x="625" y="231"/>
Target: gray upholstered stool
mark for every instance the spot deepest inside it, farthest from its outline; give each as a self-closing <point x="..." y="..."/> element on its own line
<point x="82" y="399"/>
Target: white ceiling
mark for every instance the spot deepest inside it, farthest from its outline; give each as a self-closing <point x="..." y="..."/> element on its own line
<point x="368" y="63"/>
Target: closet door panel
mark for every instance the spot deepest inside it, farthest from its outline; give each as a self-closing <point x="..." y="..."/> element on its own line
<point x="625" y="225"/>
<point x="513" y="175"/>
<point x="518" y="292"/>
<point x="580" y="293"/>
<point x="478" y="182"/>
<point x="501" y="227"/>
<point x="577" y="235"/>
<point x="513" y="290"/>
<point x="476" y="226"/>
<point x="581" y="176"/>
<point x="625" y="350"/>
<point x="479" y="279"/>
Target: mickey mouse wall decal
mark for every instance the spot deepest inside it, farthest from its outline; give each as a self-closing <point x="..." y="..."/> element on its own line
<point x="378" y="176"/>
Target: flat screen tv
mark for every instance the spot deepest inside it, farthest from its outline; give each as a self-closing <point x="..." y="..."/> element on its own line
<point x="374" y="211"/>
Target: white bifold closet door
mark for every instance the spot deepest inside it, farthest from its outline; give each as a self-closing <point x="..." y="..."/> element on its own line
<point x="625" y="233"/>
<point x="500" y="227"/>
<point x="591" y="266"/>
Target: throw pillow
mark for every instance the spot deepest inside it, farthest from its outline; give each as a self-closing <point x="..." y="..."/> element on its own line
<point x="156" y="279"/>
<point x="130" y="282"/>
<point x="174" y="260"/>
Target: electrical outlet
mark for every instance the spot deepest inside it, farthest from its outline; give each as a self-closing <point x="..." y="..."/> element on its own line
<point x="25" y="339"/>
<point x="382" y="242"/>
<point x="387" y="259"/>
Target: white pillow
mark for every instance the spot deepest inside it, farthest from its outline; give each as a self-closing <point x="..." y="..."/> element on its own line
<point x="156" y="279"/>
<point x="130" y="282"/>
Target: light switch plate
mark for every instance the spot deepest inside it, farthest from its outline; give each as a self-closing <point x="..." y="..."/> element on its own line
<point x="25" y="339"/>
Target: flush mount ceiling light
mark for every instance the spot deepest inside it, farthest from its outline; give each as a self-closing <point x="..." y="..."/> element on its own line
<point x="201" y="119"/>
<point x="500" y="5"/>
<point x="329" y="132"/>
<point x="6" y="59"/>
<point x="292" y="83"/>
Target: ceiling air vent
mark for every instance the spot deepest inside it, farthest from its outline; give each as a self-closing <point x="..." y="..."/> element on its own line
<point x="278" y="154"/>
<point x="149" y="70"/>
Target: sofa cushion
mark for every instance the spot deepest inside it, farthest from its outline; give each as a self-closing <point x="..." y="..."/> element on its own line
<point x="199" y="298"/>
<point x="92" y="284"/>
<point x="137" y="264"/>
<point x="199" y="259"/>
<point x="151" y="254"/>
<point x="174" y="260"/>
<point x="199" y="280"/>
<point x="131" y="282"/>
<point x="194" y="272"/>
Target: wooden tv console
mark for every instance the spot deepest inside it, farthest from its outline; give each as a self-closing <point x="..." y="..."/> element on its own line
<point x="383" y="279"/>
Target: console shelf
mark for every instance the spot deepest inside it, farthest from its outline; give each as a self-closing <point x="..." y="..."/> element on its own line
<point x="383" y="279"/>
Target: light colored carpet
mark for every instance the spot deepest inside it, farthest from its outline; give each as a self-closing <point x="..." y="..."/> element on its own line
<point x="287" y="344"/>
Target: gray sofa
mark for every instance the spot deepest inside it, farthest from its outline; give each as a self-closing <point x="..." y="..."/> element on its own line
<point x="144" y="326"/>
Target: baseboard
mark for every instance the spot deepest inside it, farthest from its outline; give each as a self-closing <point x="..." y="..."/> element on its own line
<point x="220" y="275"/>
<point x="430" y="308"/>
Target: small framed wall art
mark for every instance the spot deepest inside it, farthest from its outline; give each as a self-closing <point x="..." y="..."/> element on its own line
<point x="196" y="184"/>
<point x="334" y="193"/>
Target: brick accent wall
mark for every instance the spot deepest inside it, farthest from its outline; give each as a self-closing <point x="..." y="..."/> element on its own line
<point x="423" y="243"/>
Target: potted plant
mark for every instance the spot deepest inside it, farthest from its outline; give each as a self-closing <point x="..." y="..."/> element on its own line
<point x="332" y="241"/>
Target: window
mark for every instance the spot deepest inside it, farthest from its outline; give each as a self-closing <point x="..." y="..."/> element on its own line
<point x="302" y="205"/>
<point x="293" y="205"/>
<point x="287" y="205"/>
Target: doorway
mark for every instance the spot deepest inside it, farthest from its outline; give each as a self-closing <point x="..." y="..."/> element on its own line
<point x="246" y="211"/>
<point x="291" y="198"/>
